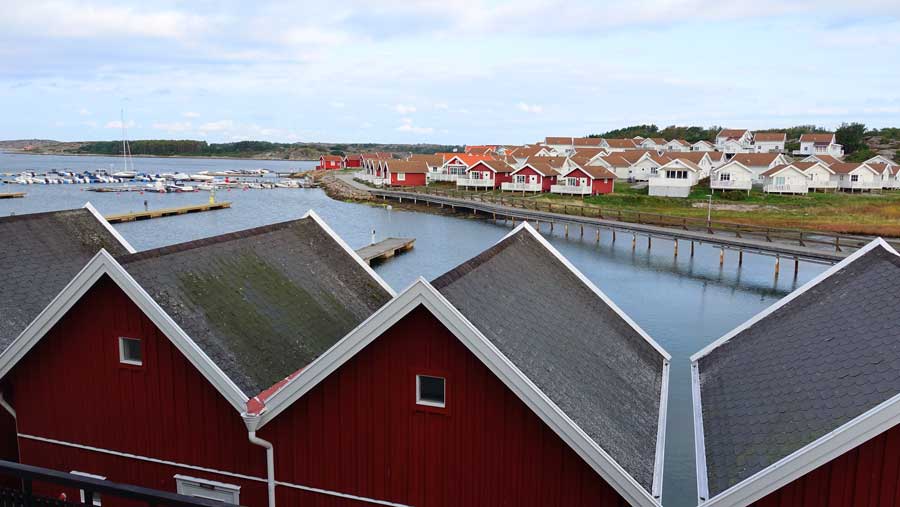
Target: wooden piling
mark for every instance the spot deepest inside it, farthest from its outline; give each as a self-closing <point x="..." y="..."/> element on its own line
<point x="721" y="257"/>
<point x="740" y="258"/>
<point x="676" y="248"/>
<point x="567" y="231"/>
<point x="692" y="248"/>
<point x="777" y="264"/>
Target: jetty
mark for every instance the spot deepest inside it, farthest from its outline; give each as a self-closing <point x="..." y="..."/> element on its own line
<point x="12" y="195"/>
<point x="166" y="212"/>
<point x="385" y="249"/>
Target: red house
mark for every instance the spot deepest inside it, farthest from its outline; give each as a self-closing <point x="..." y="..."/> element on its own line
<point x="535" y="176"/>
<point x="141" y="370"/>
<point x="434" y="400"/>
<point x="485" y="174"/>
<point x="453" y="393"/>
<point x="403" y="173"/>
<point x="331" y="162"/>
<point x="585" y="180"/>
<point x="800" y="405"/>
<point x="352" y="161"/>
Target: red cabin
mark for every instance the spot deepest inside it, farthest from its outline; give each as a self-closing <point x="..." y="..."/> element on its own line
<point x="140" y="370"/>
<point x="330" y="162"/>
<point x="535" y="176"/>
<point x="352" y="161"/>
<point x="800" y="405"/>
<point x="406" y="173"/>
<point x="485" y="174"/>
<point x="585" y="180"/>
<point x="149" y="369"/>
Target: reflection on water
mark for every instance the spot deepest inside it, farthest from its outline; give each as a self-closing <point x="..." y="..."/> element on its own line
<point x="684" y="302"/>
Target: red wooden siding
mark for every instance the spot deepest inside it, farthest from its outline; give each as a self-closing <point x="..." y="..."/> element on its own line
<point x="412" y="180"/>
<point x="598" y="185"/>
<point x="360" y="432"/>
<point x="352" y="162"/>
<point x="71" y="387"/>
<point x="867" y="476"/>
<point x="544" y="181"/>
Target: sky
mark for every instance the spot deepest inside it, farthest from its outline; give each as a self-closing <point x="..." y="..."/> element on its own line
<point x="440" y="71"/>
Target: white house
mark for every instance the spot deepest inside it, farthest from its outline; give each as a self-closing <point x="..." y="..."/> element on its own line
<point x="653" y="143"/>
<point x="760" y="162"/>
<point x="819" y="176"/>
<point x="766" y="142"/>
<point x="732" y="176"/>
<point x="678" y="145"/>
<point x="560" y="145"/>
<point x="734" y="141"/>
<point x="635" y="165"/>
<point x="886" y="172"/>
<point x="881" y="159"/>
<point x="703" y="145"/>
<point x="856" y="176"/>
<point x="619" y="145"/>
<point x="785" y="179"/>
<point x="675" y="179"/>
<point x="825" y="159"/>
<point x="703" y="159"/>
<point x="820" y="144"/>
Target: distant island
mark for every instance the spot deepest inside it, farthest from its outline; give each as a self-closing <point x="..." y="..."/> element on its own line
<point x="259" y="150"/>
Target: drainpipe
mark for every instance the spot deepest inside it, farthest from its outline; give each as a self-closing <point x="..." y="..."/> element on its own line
<point x="251" y="421"/>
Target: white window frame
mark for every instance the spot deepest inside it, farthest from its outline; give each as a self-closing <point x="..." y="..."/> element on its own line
<point x="97" y="500"/>
<point x="854" y="177"/>
<point x="123" y="359"/>
<point x="184" y="482"/>
<point x="420" y="401"/>
<point x="401" y="176"/>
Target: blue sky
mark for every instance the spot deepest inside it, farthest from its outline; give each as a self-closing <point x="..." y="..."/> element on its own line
<point x="448" y="71"/>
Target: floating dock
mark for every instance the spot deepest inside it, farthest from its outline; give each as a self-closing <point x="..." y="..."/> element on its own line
<point x="165" y="212"/>
<point x="385" y="249"/>
<point x="12" y="195"/>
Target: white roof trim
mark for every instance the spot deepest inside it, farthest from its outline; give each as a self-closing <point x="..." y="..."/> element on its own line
<point x="699" y="440"/>
<point x="878" y="242"/>
<point x="424" y="294"/>
<point x="732" y="163"/>
<point x="684" y="163"/>
<point x="815" y="163"/>
<point x="546" y="244"/>
<point x="351" y="252"/>
<point x="659" y="461"/>
<point x="785" y="168"/>
<point x="112" y="230"/>
<point x="813" y="455"/>
<point x="104" y="263"/>
<point x="535" y="169"/>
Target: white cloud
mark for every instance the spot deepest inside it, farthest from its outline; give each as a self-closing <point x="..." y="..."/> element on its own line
<point x="404" y="109"/>
<point x="84" y="112"/>
<point x="117" y="124"/>
<point x="177" y="126"/>
<point x="530" y="108"/>
<point x="216" y="126"/>
<point x="190" y="114"/>
<point x="407" y="126"/>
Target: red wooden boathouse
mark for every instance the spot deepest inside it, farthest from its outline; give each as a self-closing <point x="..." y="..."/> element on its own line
<point x="406" y="173"/>
<point x="800" y="405"/>
<point x="424" y="403"/>
<point x="351" y="161"/>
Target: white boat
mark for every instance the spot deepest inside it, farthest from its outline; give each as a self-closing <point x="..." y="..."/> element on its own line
<point x="125" y="174"/>
<point x="201" y="177"/>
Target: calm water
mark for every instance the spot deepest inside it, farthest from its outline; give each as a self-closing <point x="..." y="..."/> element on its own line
<point x="684" y="304"/>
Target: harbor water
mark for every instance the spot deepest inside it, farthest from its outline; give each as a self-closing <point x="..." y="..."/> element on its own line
<point x="684" y="302"/>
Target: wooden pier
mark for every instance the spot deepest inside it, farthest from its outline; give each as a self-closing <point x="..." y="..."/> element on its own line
<point x="12" y="195"/>
<point x="807" y="249"/>
<point x="165" y="212"/>
<point x="385" y="249"/>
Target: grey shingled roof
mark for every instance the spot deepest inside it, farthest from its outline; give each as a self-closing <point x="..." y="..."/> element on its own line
<point x="812" y="365"/>
<point x="261" y="303"/>
<point x="585" y="357"/>
<point x="40" y="254"/>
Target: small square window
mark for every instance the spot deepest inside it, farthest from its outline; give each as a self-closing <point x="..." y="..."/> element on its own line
<point x="130" y="351"/>
<point x="95" y="497"/>
<point x="430" y="391"/>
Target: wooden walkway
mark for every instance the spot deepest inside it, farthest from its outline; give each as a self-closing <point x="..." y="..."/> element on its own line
<point x="385" y="249"/>
<point x="12" y="195"/>
<point x="741" y="244"/>
<point x="165" y="212"/>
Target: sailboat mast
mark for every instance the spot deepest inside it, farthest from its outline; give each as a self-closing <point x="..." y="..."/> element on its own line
<point x="124" y="153"/>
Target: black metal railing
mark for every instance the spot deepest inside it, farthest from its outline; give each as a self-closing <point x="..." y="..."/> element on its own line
<point x="91" y="488"/>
